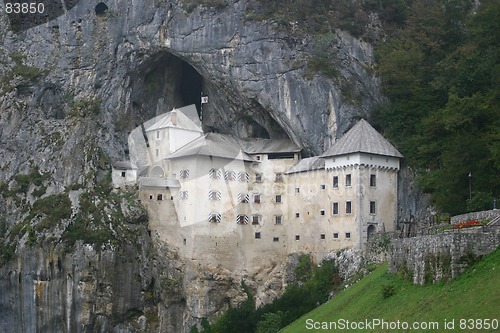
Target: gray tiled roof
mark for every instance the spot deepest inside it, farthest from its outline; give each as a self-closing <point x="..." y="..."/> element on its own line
<point x="152" y="182"/>
<point x="266" y="146"/>
<point x="183" y="121"/>
<point x="213" y="144"/>
<point x="362" y="138"/>
<point x="308" y="164"/>
<point x="123" y="165"/>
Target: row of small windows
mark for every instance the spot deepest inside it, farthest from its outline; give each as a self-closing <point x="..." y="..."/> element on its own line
<point x="244" y="198"/>
<point x="347" y="235"/>
<point x="348" y="181"/>
<point x="229" y="175"/>
<point x="348" y="208"/>
<point x="244" y="177"/>
<point x="243" y="219"/>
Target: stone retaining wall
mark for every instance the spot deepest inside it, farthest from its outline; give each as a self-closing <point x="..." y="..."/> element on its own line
<point x="484" y="215"/>
<point x="432" y="258"/>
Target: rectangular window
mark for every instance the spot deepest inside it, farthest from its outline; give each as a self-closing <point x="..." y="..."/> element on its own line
<point x="278" y="198"/>
<point x="157" y="152"/>
<point x="255" y="219"/>
<point x="257" y="235"/>
<point x="277" y="219"/>
<point x="215" y="174"/>
<point x="279" y="177"/>
<point x="348" y="180"/>
<point x="151" y="197"/>
<point x="214" y="218"/>
<point x="373" y="180"/>
<point x="322" y="212"/>
<point x="348" y="207"/>
<point x="242" y="219"/>
<point x="123" y="173"/>
<point x="276" y="239"/>
<point x="297" y="214"/>
<point x="335" y="208"/>
<point x="297" y="190"/>
<point x="347" y="235"/>
<point x="372" y="207"/>
<point x="323" y="186"/>
<point x="214" y="195"/>
<point x="159" y="197"/>
<point x="229" y="175"/>
<point x="157" y="134"/>
<point x="184" y="174"/>
<point x="323" y="236"/>
<point x="243" y="177"/>
<point x="297" y="237"/>
<point x="258" y="178"/>
<point x="256" y="198"/>
<point x="258" y="157"/>
<point x="335" y="235"/>
<point x="243" y="198"/>
<point x="335" y="181"/>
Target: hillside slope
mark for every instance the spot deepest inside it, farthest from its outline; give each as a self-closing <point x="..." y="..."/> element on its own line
<point x="473" y="295"/>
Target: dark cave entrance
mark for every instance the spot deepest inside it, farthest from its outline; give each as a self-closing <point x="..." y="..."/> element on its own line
<point x="165" y="81"/>
<point x="190" y="85"/>
<point x="100" y="9"/>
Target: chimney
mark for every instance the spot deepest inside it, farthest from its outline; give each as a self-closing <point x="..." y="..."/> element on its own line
<point x="173" y="117"/>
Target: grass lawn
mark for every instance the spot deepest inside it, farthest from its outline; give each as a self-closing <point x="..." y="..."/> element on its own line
<point x="473" y="295"/>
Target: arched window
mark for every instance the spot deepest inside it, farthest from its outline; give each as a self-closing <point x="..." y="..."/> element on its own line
<point x="100" y="9"/>
<point x="370" y="231"/>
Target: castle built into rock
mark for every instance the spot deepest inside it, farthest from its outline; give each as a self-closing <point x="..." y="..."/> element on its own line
<point x="229" y="200"/>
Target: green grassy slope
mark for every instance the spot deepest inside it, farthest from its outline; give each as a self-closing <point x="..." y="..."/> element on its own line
<point x="473" y="295"/>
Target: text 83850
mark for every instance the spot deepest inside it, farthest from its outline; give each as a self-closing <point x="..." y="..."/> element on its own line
<point x="24" y="8"/>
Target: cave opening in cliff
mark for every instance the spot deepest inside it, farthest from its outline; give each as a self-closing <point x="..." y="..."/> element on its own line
<point x="165" y="81"/>
<point x="190" y="85"/>
<point x="100" y="9"/>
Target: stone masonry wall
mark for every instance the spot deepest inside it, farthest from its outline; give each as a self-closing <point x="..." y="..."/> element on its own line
<point x="432" y="258"/>
<point x="484" y="215"/>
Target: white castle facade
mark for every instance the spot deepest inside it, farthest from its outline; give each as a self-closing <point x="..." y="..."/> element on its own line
<point x="230" y="200"/>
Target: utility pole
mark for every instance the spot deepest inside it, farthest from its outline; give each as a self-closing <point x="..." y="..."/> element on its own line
<point x="204" y="100"/>
<point x="470" y="185"/>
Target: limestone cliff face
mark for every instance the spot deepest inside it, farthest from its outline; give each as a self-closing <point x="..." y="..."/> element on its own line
<point x="70" y="92"/>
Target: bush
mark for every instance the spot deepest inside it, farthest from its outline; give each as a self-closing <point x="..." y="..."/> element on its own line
<point x="388" y="290"/>
<point x="55" y="208"/>
<point x="85" y="107"/>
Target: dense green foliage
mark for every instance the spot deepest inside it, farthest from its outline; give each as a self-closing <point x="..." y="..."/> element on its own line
<point x="441" y="72"/>
<point x="324" y="16"/>
<point x="472" y="295"/>
<point x="296" y="301"/>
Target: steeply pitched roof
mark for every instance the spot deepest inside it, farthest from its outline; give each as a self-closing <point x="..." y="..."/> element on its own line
<point x="362" y="138"/>
<point x="183" y="122"/>
<point x="123" y="165"/>
<point x="191" y="112"/>
<point x="213" y="144"/>
<point x="267" y="146"/>
<point x="307" y="164"/>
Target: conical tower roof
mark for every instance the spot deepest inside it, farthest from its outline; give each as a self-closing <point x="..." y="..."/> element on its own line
<point x="362" y="138"/>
